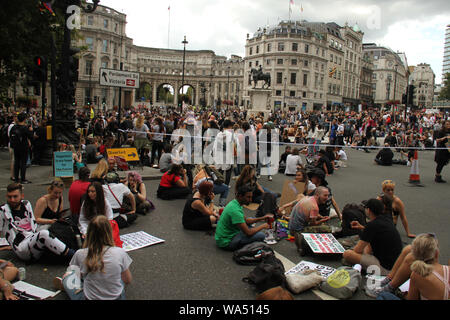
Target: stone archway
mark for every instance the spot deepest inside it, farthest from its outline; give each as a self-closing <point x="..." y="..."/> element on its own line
<point x="165" y="93"/>
<point x="187" y="94"/>
<point x="144" y="93"/>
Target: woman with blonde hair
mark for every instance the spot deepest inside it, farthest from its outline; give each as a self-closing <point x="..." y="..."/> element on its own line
<point x="48" y="207"/>
<point x="100" y="172"/>
<point x="398" y="207"/>
<point x="100" y="270"/>
<point x="419" y="262"/>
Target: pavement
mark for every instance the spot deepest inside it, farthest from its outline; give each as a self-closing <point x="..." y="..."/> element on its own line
<point x="189" y="266"/>
<point x="43" y="175"/>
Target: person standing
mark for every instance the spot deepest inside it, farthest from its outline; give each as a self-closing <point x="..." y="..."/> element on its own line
<point x="442" y="156"/>
<point x="20" y="138"/>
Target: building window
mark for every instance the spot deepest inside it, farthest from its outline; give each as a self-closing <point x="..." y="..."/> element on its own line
<point x="305" y="63"/>
<point x="251" y="51"/>
<point x="90" y="43"/>
<point x="104" y="64"/>
<point x="294" y="62"/>
<point x="279" y="77"/>
<point x="105" y="46"/>
<point x="293" y="78"/>
<point x="279" y="61"/>
<point x="331" y="57"/>
<point x="278" y="92"/>
<point x="281" y="46"/>
<point x="306" y="48"/>
<point x="269" y="47"/>
<point x="88" y="69"/>
<point x="295" y="46"/>
<point x="304" y="94"/>
<point x="292" y="93"/>
<point x="90" y="20"/>
<point x="257" y="49"/>
<point x="305" y="79"/>
<point x="250" y="64"/>
<point x="268" y="62"/>
<point x="105" y="23"/>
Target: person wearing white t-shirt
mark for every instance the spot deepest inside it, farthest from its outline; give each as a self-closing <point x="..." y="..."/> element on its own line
<point x="292" y="161"/>
<point x="100" y="271"/>
<point x="341" y="158"/>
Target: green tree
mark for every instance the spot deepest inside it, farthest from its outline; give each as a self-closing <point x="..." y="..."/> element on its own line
<point x="25" y="32"/>
<point x="445" y="91"/>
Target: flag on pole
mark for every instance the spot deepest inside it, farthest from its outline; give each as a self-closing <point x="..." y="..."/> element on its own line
<point x="301" y="8"/>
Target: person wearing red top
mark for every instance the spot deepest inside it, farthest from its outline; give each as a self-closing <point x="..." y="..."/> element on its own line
<point x="173" y="184"/>
<point x="78" y="189"/>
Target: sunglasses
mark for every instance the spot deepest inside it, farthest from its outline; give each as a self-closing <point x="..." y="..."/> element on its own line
<point x="58" y="184"/>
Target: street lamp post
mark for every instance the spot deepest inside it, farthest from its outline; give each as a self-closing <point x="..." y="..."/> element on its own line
<point x="284" y="94"/>
<point x="184" y="42"/>
<point x="395" y="83"/>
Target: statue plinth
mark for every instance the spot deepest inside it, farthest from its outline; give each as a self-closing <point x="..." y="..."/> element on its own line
<point x="259" y="101"/>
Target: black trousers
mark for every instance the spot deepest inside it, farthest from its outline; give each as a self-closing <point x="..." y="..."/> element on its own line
<point x="20" y="163"/>
<point x="156" y="146"/>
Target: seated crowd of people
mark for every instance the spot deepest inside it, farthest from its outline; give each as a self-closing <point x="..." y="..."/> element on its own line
<point x="101" y="204"/>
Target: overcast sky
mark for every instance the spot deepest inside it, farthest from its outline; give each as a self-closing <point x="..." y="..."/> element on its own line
<point x="416" y="27"/>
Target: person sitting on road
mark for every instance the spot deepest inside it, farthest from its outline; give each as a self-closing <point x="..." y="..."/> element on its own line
<point x="199" y="213"/>
<point x="104" y="268"/>
<point x="173" y="184"/>
<point x="124" y="211"/>
<point x="380" y="243"/>
<point x="424" y="253"/>
<point x="293" y="162"/>
<point x="317" y="177"/>
<point x="100" y="172"/>
<point x="49" y="207"/>
<point x="201" y="174"/>
<point x="305" y="217"/>
<point x="138" y="189"/>
<point x="398" y="207"/>
<point x="248" y="176"/>
<point x="166" y="159"/>
<point x="19" y="227"/>
<point x="8" y="273"/>
<point x="384" y="156"/>
<point x="233" y="230"/>
<point x="324" y="163"/>
<point x="94" y="205"/>
<point x="77" y="190"/>
<point x="341" y="158"/>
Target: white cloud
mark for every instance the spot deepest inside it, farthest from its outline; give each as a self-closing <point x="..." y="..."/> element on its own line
<point x="222" y="26"/>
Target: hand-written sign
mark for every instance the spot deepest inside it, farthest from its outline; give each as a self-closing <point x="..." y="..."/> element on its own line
<point x="63" y="164"/>
<point x="323" y="243"/>
<point x="129" y="154"/>
<point x="138" y="240"/>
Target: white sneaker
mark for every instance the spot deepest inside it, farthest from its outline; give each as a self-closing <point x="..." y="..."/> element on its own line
<point x="270" y="178"/>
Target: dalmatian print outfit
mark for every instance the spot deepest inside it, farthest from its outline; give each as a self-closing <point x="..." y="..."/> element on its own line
<point x="20" y="232"/>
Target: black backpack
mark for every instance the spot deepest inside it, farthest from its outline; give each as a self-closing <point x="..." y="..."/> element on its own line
<point x="268" y="205"/>
<point x="17" y="137"/>
<point x="251" y="254"/>
<point x="269" y="273"/>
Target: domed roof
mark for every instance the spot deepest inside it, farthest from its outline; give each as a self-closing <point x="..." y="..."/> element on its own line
<point x="356" y="28"/>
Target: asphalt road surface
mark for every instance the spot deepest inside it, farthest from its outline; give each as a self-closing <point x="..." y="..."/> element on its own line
<point x="189" y="266"/>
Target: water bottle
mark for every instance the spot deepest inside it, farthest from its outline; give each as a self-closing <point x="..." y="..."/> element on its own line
<point x="80" y="244"/>
<point x="22" y="273"/>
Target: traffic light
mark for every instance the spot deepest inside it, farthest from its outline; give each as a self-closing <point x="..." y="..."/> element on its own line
<point x="39" y="69"/>
<point x="73" y="64"/>
<point x="404" y="99"/>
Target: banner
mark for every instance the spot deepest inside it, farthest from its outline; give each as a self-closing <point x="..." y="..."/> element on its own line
<point x="324" y="271"/>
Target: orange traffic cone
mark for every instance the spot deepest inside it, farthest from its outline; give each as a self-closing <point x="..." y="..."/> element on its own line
<point x="414" y="176"/>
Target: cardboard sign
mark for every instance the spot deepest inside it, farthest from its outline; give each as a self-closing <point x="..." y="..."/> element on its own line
<point x="324" y="271"/>
<point x="129" y="154"/>
<point x="63" y="164"/>
<point x="323" y="243"/>
<point x="291" y="190"/>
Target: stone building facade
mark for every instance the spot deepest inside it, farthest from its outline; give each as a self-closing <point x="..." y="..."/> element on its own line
<point x="423" y="80"/>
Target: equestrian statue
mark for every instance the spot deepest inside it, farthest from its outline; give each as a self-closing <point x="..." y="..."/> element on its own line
<point x="259" y="75"/>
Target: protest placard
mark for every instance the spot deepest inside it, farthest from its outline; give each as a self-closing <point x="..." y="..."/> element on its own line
<point x="323" y="243"/>
<point x="138" y="240"/>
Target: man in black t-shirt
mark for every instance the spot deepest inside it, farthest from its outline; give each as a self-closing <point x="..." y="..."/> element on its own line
<point x="384" y="156"/>
<point x="380" y="243"/>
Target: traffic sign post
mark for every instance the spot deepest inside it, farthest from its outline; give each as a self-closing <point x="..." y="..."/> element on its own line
<point x="118" y="78"/>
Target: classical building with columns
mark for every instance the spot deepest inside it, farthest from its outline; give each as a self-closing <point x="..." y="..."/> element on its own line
<point x="209" y="79"/>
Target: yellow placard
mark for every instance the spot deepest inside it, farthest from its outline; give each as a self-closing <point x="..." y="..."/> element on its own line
<point x="129" y="154"/>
